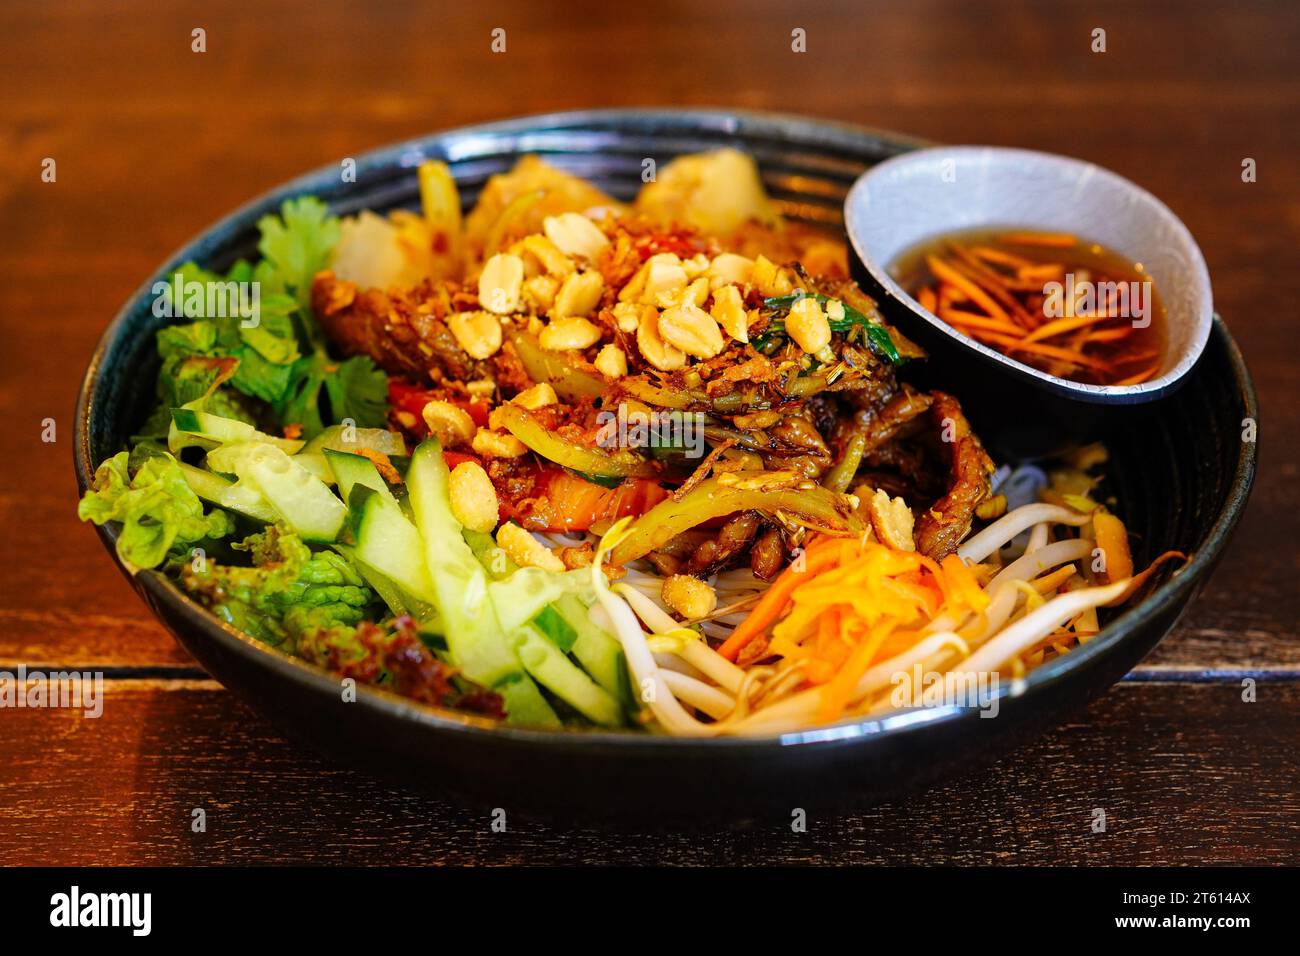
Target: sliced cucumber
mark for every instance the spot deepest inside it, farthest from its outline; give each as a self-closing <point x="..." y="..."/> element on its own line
<point x="389" y="543"/>
<point x="337" y="438"/>
<point x="525" y="704"/>
<point x="552" y="625"/>
<point x="398" y="601"/>
<point x="227" y="494"/>
<point x="554" y="671"/>
<point x="491" y="555"/>
<point x="599" y="653"/>
<point x="301" y="499"/>
<point x="521" y="596"/>
<point x="352" y="470"/>
<point x="215" y="430"/>
<point x="475" y="639"/>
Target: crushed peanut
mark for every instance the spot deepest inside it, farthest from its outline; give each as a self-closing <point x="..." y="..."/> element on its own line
<point x="664" y="276"/>
<point x="538" y="396"/>
<point x="527" y="551"/>
<point x="770" y="279"/>
<point x="492" y="444"/>
<point x="729" y="312"/>
<point x="892" y="521"/>
<point x="500" y="282"/>
<point x="548" y="254"/>
<point x="449" y="423"/>
<point x="728" y="269"/>
<point x="539" y="292"/>
<point x="473" y="497"/>
<point x="691" y="329"/>
<point x="689" y="596"/>
<point x="807" y="325"/>
<point x="478" y="333"/>
<point x="569" y="333"/>
<point x="575" y="235"/>
<point x="696" y="266"/>
<point x="611" y="362"/>
<point x="657" y="352"/>
<point x="579" y="294"/>
<point x="627" y="315"/>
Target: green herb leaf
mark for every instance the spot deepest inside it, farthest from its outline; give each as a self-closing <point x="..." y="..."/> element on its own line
<point x="877" y="335"/>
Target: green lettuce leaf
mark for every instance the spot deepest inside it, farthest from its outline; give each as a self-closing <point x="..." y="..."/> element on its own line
<point x="160" y="515"/>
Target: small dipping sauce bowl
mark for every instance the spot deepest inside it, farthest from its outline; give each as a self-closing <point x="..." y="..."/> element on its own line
<point x="927" y="194"/>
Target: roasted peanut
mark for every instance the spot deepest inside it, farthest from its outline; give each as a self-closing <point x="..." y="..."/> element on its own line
<point x="691" y="329"/>
<point x="575" y="235"/>
<point x="689" y="596"/>
<point x="492" y="444"/>
<point x="569" y="333"/>
<point x="538" y="396"/>
<point x="527" y="551"/>
<point x="449" y="423"/>
<point x="579" y="294"/>
<point x="729" y="312"/>
<point x="478" y="333"/>
<point x="807" y="325"/>
<point x="499" y="283"/>
<point x="611" y="362"/>
<point x="473" y="498"/>
<point x="657" y="352"/>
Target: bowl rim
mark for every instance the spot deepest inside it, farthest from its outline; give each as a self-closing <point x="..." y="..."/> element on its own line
<point x="158" y="588"/>
<point x="858" y="198"/>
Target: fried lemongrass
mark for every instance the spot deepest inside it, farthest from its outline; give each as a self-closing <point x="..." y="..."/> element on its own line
<point x="996" y="536"/>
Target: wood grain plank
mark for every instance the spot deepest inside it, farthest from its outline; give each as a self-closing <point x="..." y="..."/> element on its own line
<point x="1185" y="774"/>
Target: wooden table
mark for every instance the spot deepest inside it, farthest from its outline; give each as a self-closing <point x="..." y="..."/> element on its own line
<point x="153" y="142"/>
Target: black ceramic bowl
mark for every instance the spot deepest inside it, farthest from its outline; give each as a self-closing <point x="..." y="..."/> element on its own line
<point x="1178" y="468"/>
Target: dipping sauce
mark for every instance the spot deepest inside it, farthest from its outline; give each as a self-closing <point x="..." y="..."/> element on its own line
<point x="1067" y="306"/>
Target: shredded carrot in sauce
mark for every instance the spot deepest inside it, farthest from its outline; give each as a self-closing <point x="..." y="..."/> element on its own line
<point x="1058" y="303"/>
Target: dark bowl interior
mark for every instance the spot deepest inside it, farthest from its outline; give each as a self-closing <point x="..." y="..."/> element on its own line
<point x="1178" y="469"/>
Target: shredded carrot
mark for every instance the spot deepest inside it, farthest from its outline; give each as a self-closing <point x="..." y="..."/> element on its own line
<point x="947" y="273"/>
<point x="1050" y="582"/>
<point x="853" y="599"/>
<point x="1039" y="274"/>
<point x="1109" y="335"/>
<point x="960" y="317"/>
<point x="1053" y="239"/>
<point x="1061" y="326"/>
<point x="1141" y="376"/>
<point x="816" y="557"/>
<point x="1001" y="257"/>
<point x="1073" y="356"/>
<point x="927" y="299"/>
